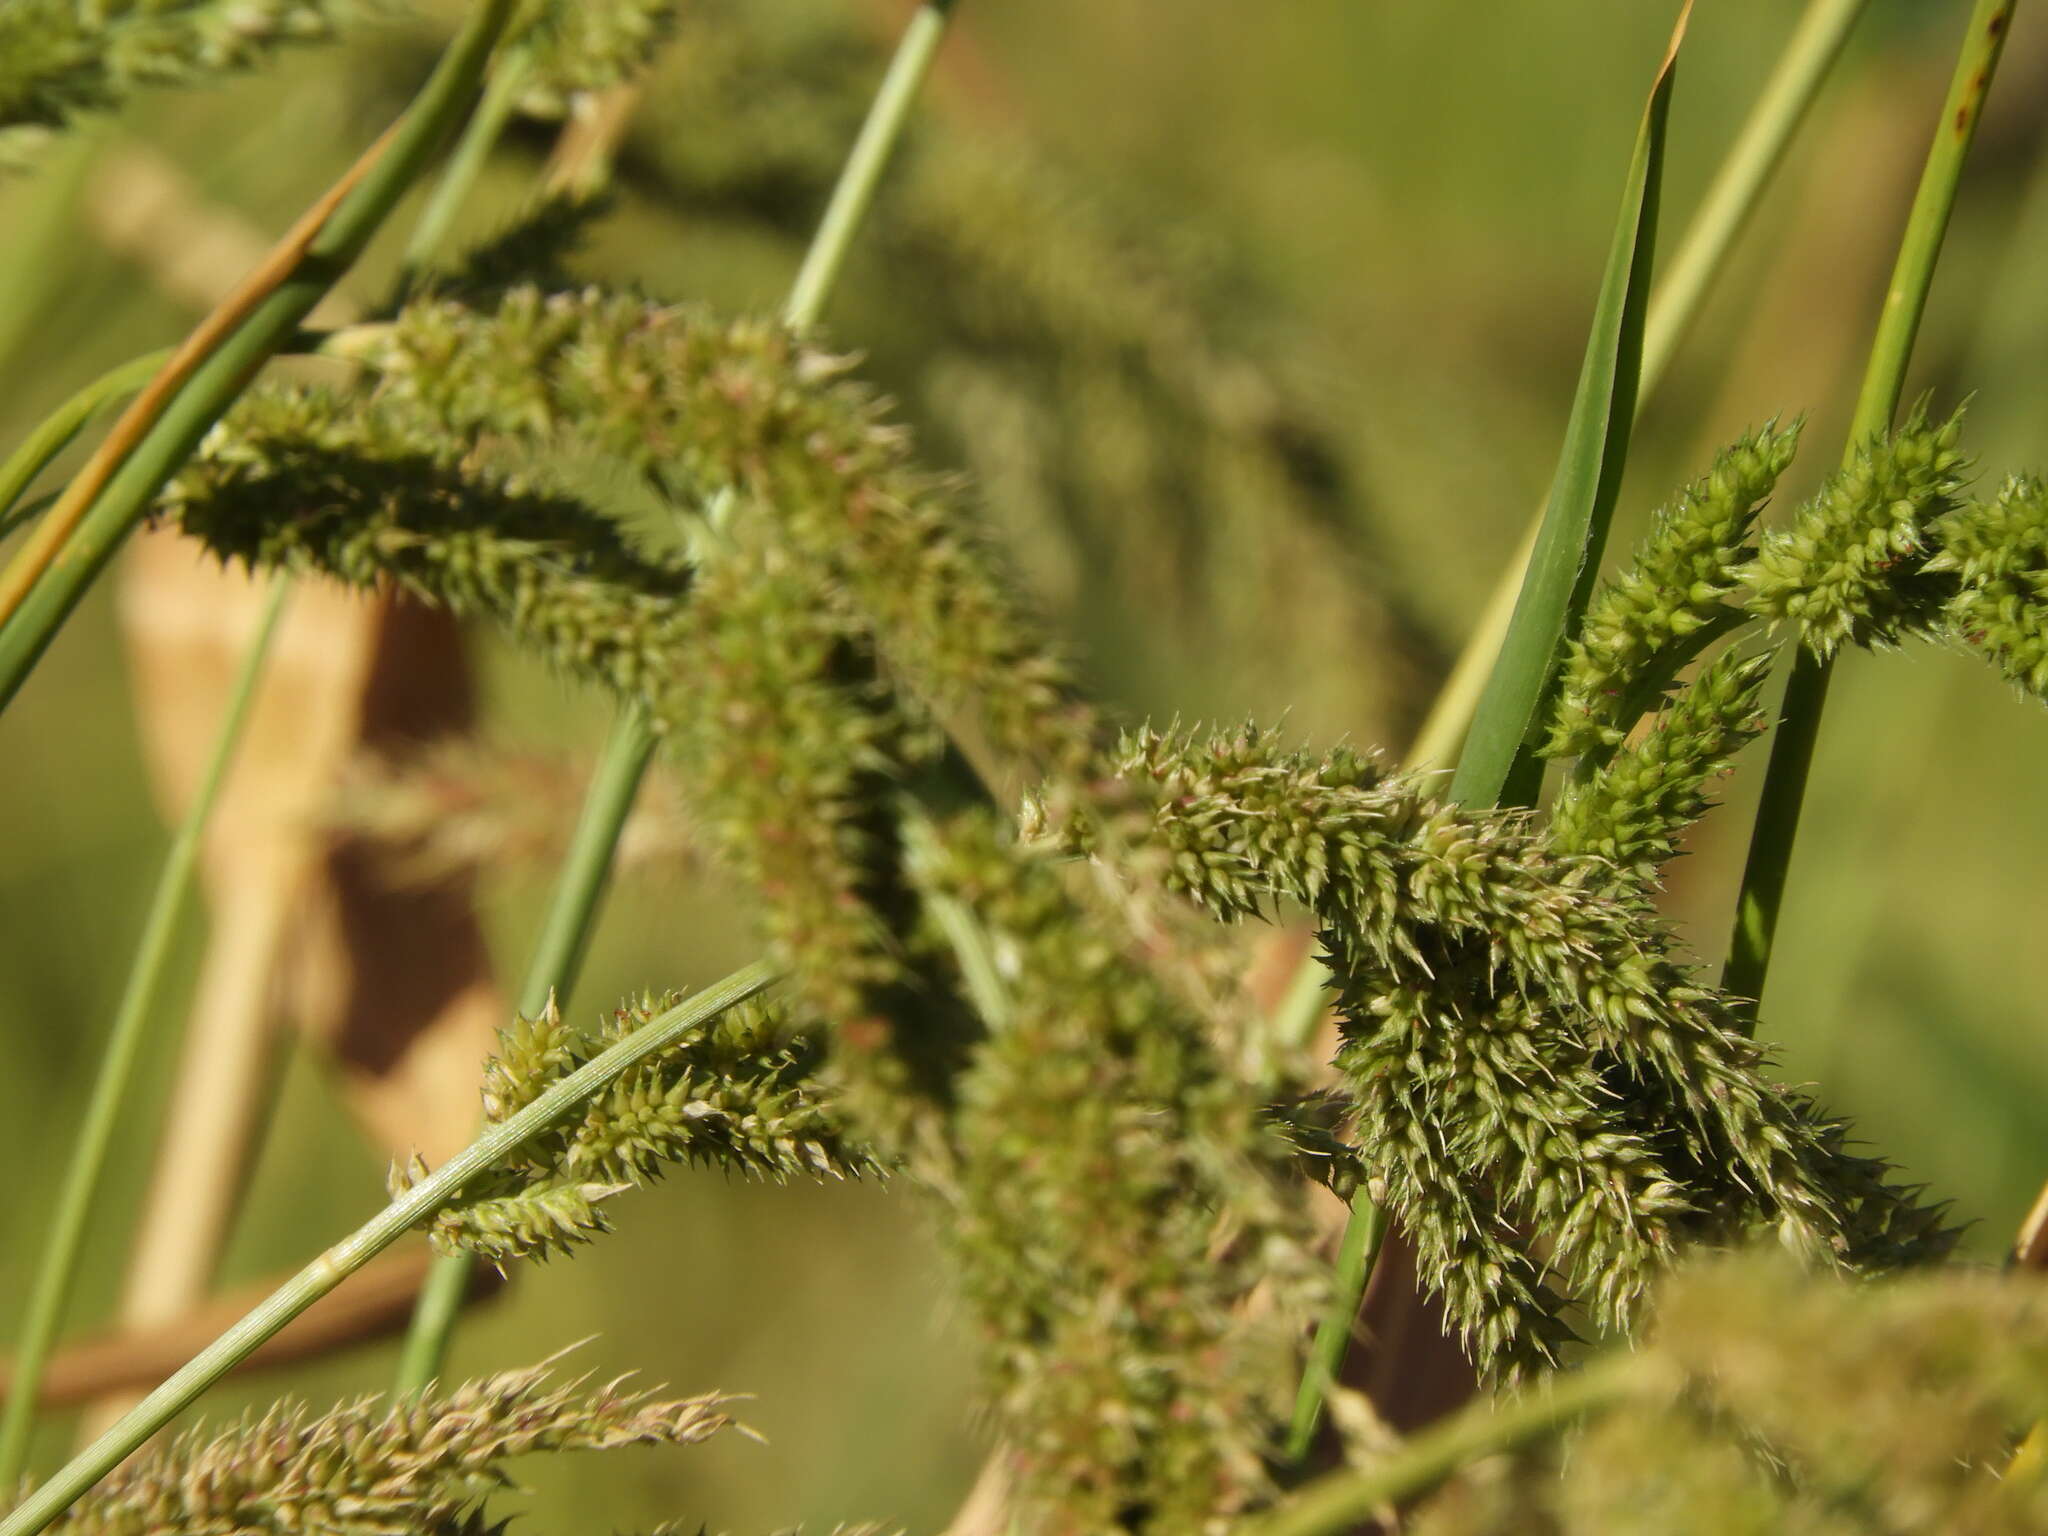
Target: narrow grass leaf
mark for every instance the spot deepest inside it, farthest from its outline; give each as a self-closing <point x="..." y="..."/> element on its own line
<point x="1500" y="761"/>
<point x="1499" y="764"/>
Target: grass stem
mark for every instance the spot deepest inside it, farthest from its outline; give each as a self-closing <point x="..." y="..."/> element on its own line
<point x="873" y="148"/>
<point x="479" y="137"/>
<point x="53" y="434"/>
<point x="415" y="1206"/>
<point x="557" y="957"/>
<point x="1776" y="829"/>
<point x="1363" y="1235"/>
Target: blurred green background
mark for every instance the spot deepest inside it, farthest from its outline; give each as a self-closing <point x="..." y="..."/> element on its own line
<point x="1258" y="325"/>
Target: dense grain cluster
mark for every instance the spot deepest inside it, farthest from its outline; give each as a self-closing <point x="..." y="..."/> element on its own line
<point x="740" y="1094"/>
<point x="1547" y="1099"/>
<point x="1642" y="626"/>
<point x="1549" y="1102"/>
<point x="1849" y="567"/>
<point x="833" y="615"/>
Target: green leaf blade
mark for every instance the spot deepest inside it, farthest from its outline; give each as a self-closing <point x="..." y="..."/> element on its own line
<point x="1500" y="765"/>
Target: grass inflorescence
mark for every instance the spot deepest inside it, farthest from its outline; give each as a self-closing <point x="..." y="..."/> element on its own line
<point x="1011" y="936"/>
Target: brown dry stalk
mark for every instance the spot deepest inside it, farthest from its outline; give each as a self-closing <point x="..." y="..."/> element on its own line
<point x="371" y="1304"/>
<point x="580" y="164"/>
<point x="986" y="1509"/>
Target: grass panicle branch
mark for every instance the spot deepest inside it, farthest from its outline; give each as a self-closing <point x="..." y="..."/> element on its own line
<point x="572" y="908"/>
<point x="1120" y="1201"/>
<point x="1996" y="552"/>
<point x="846" y="545"/>
<point x="1844" y="569"/>
<point x="739" y="1093"/>
<point x="1643" y="626"/>
<point x="373" y="1466"/>
<point x="1632" y="811"/>
<point x="1527" y="1055"/>
<point x="743" y="659"/>
<point x="51" y="1498"/>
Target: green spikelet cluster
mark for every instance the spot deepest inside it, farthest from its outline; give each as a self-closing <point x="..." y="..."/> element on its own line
<point x="587" y="45"/>
<point x="837" y="609"/>
<point x="738" y="672"/>
<point x="791" y="750"/>
<point x="706" y="407"/>
<point x="741" y="1094"/>
<point x="1886" y="550"/>
<point x="370" y="1468"/>
<point x="1531" y="1066"/>
<point x="1850" y="568"/>
<point x="1641" y="627"/>
<point x="1117" y="1205"/>
<point x="61" y="58"/>
<point x="1631" y="810"/>
<point x="532" y="1054"/>
<point x="1546" y="1099"/>
<point x="367" y="500"/>
<point x="1130" y="413"/>
<point x="1776" y="1401"/>
<point x="1998" y="553"/>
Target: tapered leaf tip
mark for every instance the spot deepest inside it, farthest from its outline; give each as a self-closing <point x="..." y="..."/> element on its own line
<point x="1677" y="41"/>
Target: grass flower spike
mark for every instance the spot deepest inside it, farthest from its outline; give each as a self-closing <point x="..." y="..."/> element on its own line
<point x="371" y="1468"/>
<point x="1644" y="625"/>
<point x="739" y="1093"/>
<point x="1851" y="566"/>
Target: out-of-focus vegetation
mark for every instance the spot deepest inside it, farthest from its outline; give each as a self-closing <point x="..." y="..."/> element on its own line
<point x="1256" y="335"/>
